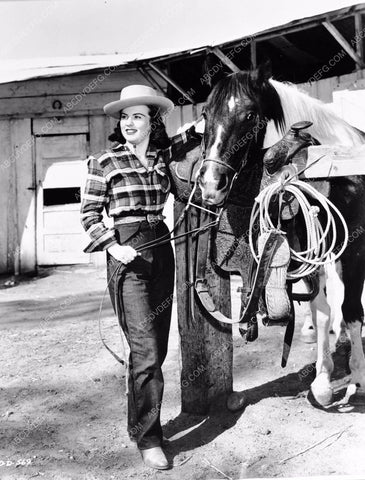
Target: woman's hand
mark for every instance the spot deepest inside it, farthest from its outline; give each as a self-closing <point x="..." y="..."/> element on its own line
<point x="123" y="253"/>
<point x="200" y="125"/>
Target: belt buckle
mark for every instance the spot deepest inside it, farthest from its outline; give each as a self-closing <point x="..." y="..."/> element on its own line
<point x="152" y="218"/>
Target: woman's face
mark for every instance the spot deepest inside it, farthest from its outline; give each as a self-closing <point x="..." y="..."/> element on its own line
<point x="135" y="123"/>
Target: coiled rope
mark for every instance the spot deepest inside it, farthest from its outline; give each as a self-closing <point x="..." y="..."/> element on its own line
<point x="321" y="238"/>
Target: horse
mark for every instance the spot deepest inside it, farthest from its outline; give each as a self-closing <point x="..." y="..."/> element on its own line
<point x="248" y="111"/>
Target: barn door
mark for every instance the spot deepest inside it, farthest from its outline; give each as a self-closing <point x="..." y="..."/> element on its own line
<point x="60" y="173"/>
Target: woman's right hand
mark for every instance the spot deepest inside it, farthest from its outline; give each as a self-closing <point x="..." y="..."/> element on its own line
<point x="123" y="253"/>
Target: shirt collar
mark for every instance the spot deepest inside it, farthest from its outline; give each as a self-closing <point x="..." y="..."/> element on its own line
<point x="151" y="152"/>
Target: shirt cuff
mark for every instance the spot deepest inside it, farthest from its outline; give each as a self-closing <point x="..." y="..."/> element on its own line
<point x="101" y="244"/>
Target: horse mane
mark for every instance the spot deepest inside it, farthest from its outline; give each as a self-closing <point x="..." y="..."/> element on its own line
<point x="244" y="84"/>
<point x="327" y="128"/>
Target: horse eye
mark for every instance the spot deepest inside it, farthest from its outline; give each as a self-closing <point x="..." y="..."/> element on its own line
<point x="250" y="116"/>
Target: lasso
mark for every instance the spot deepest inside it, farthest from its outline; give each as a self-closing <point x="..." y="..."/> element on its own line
<point x="321" y="241"/>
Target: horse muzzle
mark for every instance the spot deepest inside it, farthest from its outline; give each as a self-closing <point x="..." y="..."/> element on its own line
<point x="214" y="183"/>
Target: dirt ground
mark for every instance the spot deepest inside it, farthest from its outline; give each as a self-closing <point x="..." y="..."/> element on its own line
<point x="63" y="405"/>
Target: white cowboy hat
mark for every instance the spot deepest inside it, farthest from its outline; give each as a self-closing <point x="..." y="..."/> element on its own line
<point x="138" y="95"/>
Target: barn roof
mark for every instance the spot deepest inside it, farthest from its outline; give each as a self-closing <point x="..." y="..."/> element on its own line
<point x="295" y="16"/>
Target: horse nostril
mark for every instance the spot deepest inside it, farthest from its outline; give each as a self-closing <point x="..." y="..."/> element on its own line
<point x="201" y="181"/>
<point x="223" y="182"/>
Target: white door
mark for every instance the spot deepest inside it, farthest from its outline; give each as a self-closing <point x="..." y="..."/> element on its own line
<point x="60" y="174"/>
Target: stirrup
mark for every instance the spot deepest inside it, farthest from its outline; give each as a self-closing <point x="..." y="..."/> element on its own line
<point x="275" y="294"/>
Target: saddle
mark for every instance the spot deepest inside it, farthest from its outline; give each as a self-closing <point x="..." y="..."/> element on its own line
<point x="183" y="172"/>
<point x="288" y="157"/>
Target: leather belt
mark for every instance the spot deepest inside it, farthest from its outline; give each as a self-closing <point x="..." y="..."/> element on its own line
<point x="149" y="217"/>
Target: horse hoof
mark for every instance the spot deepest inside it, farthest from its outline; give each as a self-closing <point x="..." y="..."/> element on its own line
<point x="322" y="392"/>
<point x="236" y="401"/>
<point x="322" y="397"/>
<point x="358" y="398"/>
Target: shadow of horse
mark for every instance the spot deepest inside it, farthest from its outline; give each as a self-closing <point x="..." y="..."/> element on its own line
<point x="187" y="432"/>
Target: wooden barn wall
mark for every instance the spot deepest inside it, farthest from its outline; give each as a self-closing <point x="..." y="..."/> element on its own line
<point x="6" y="195"/>
<point x="25" y="106"/>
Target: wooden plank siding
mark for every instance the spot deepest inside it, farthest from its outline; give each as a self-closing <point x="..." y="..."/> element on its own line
<point x="24" y="200"/>
<point x="70" y="84"/>
<point x="63" y="125"/>
<point x="6" y="197"/>
<point x="78" y="94"/>
<point x="71" y="104"/>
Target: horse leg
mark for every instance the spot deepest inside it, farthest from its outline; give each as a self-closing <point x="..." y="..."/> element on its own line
<point x="308" y="332"/>
<point x="353" y="276"/>
<point x="321" y="386"/>
<point x="334" y="293"/>
<point x="304" y="310"/>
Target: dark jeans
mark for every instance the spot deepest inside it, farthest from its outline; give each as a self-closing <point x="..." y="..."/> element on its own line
<point x="144" y="296"/>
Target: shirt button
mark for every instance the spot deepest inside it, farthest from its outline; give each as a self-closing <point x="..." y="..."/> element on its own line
<point x="153" y="201"/>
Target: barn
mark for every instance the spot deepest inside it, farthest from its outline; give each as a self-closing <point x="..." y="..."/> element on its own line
<point x="51" y="117"/>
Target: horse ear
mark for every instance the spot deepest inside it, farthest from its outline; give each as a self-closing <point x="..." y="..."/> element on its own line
<point x="213" y="70"/>
<point x="263" y="72"/>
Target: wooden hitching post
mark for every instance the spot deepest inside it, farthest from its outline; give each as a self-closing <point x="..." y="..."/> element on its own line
<point x="206" y="346"/>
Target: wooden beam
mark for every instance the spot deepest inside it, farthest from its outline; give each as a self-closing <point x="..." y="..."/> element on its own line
<point x="72" y="105"/>
<point x="96" y="82"/>
<point x="218" y="53"/>
<point x="343" y="42"/>
<point x="7" y="200"/>
<point x="170" y="81"/>
<point x="358" y="36"/>
<point x="291" y="51"/>
<point x="22" y="153"/>
<point x="151" y="80"/>
<point x="253" y="53"/>
<point x="336" y="161"/>
<point x="206" y="348"/>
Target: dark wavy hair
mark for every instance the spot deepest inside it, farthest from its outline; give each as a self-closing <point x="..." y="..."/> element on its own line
<point x="158" y="135"/>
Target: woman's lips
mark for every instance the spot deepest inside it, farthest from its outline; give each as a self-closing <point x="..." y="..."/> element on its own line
<point x="130" y="131"/>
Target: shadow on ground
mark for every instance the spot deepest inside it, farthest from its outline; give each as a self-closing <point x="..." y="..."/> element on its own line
<point x="203" y="429"/>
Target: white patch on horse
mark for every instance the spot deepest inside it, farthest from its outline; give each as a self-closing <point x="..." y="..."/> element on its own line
<point x="327" y="127"/>
<point x="214" y="152"/>
<point x="231" y="103"/>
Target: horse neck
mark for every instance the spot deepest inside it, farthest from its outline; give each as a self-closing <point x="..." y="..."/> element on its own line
<point x="327" y="128"/>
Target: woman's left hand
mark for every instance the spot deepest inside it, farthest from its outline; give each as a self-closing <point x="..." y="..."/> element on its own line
<point x="123" y="253"/>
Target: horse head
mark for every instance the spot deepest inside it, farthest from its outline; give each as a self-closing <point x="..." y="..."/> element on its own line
<point x="236" y="115"/>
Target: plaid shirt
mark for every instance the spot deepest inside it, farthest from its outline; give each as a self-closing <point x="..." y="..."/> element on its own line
<point x="118" y="182"/>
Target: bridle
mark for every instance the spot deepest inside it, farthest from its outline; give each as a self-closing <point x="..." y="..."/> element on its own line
<point x="229" y="168"/>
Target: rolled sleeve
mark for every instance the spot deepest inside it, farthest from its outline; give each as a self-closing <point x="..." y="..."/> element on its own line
<point x="94" y="201"/>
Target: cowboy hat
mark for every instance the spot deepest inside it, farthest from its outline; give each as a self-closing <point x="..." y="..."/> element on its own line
<point x="138" y="95"/>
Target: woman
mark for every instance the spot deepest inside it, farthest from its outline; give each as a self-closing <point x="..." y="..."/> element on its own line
<point x="131" y="182"/>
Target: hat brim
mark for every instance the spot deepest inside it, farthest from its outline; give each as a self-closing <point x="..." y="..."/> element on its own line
<point x="113" y="108"/>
